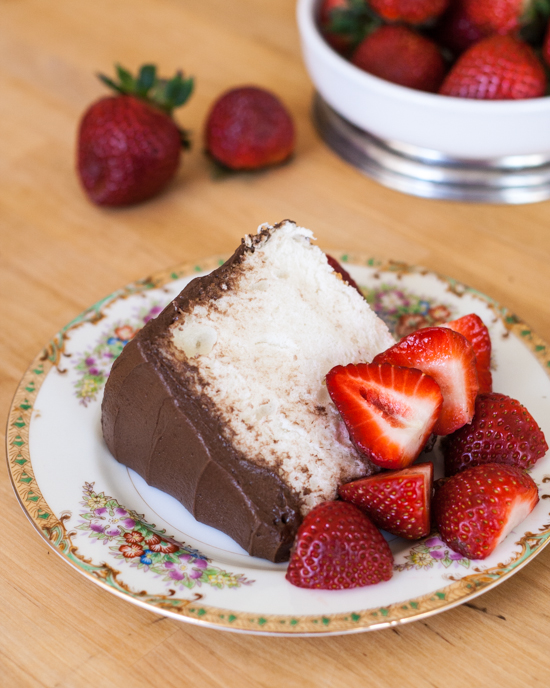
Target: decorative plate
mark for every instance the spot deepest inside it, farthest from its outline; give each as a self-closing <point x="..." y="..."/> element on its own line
<point x="142" y="545"/>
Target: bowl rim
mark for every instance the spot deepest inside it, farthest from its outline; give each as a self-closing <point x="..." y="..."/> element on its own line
<point x="305" y="13"/>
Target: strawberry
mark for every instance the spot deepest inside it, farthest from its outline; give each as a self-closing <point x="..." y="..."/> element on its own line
<point x="476" y="509"/>
<point x="449" y="358"/>
<point x="344" y="274"/>
<point x="502" y="431"/>
<point x="496" y="68"/>
<point x="397" y="501"/>
<point x="472" y="327"/>
<point x="249" y="128"/>
<point x="338" y="547"/>
<point x="128" y="145"/>
<point x="399" y="54"/>
<point x="546" y="46"/>
<point x="503" y="16"/>
<point x="456" y="31"/>
<point x="388" y="411"/>
<point x="329" y="9"/>
<point x="437" y="492"/>
<point x="343" y="23"/>
<point x="409" y="11"/>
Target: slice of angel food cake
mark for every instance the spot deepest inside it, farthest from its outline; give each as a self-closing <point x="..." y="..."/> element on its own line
<point x="221" y="400"/>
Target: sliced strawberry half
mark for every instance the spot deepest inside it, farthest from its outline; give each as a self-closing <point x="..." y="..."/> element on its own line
<point x="449" y="358"/>
<point x="397" y="501"/>
<point x="338" y="547"/>
<point x="389" y="411"/>
<point x="476" y="509"/>
<point x="473" y="328"/>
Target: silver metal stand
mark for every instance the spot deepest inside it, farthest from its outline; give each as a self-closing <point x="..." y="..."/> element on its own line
<point x="427" y="173"/>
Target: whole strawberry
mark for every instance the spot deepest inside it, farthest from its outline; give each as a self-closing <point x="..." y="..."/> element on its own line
<point x="328" y="13"/>
<point x="409" y="11"/>
<point x="456" y="30"/>
<point x="501" y="431"/>
<point x="399" y="54"/>
<point x="496" y="68"/>
<point x="343" y="23"/>
<point x="129" y="146"/>
<point x="476" y="509"/>
<point x="249" y="128"/>
<point x="338" y="547"/>
<point x="503" y="16"/>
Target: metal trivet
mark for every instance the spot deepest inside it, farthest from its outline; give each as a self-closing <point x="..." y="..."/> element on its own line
<point x="427" y="173"/>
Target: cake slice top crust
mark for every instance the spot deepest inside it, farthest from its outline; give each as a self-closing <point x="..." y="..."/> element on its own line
<point x="258" y="345"/>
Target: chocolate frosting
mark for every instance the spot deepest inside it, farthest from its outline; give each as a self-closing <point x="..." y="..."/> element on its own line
<point x="154" y="423"/>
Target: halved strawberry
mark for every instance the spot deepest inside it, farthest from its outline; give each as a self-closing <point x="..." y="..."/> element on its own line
<point x="472" y="327"/>
<point x="389" y="411"/>
<point x="397" y="501"/>
<point x="502" y="431"/>
<point x="449" y="358"/>
<point x="476" y="509"/>
<point x="338" y="547"/>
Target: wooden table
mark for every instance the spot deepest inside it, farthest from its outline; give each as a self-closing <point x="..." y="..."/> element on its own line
<point x="59" y="254"/>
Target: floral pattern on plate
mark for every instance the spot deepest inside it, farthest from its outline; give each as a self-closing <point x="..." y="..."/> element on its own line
<point x="405" y="312"/>
<point x="94" y="364"/>
<point x="135" y="542"/>
<point x="429" y="553"/>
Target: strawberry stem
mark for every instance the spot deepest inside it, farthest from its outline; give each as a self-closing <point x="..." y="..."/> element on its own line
<point x="165" y="94"/>
<point x="355" y="21"/>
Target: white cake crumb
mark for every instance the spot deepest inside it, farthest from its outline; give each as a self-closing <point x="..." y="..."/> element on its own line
<point x="263" y="349"/>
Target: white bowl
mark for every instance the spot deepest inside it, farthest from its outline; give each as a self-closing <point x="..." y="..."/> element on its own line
<point x="456" y="127"/>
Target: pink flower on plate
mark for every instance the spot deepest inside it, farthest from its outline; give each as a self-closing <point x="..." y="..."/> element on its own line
<point x="441" y="550"/>
<point x="111" y="522"/>
<point x="155" y="310"/>
<point x="157" y="544"/>
<point x="187" y="565"/>
<point x="390" y="301"/>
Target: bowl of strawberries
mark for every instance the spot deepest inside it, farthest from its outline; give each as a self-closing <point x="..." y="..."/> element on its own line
<point x="456" y="84"/>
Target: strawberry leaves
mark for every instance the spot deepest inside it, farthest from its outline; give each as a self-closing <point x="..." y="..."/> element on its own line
<point x="165" y="94"/>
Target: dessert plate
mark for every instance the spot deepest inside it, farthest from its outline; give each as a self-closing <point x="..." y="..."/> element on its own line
<point x="142" y="545"/>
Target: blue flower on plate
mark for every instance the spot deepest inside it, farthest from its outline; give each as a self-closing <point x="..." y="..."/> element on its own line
<point x="145" y="558"/>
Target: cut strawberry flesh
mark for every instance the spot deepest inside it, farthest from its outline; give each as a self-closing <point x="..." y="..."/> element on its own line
<point x="472" y="327"/>
<point x="389" y="411"/>
<point x="475" y="510"/>
<point x="449" y="358"/>
<point x="397" y="501"/>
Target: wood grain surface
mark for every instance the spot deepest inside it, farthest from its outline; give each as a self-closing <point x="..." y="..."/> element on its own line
<point x="59" y="254"/>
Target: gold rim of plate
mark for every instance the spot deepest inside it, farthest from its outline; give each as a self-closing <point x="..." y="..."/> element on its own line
<point x="52" y="528"/>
